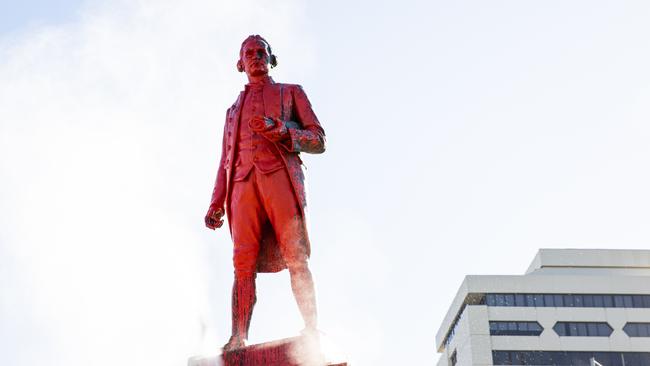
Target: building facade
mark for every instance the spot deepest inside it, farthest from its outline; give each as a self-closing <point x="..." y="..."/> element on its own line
<point x="571" y="307"/>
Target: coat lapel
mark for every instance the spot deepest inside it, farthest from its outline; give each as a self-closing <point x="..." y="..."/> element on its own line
<point x="272" y="102"/>
<point x="239" y="104"/>
<point x="234" y="133"/>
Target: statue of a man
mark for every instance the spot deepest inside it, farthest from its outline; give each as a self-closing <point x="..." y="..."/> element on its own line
<point x="260" y="185"/>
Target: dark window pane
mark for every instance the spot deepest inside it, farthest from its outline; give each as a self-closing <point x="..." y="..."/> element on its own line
<point x="491" y="301"/>
<point x="637" y="301"/>
<point x="631" y="329"/>
<point x="573" y="300"/>
<point x="453" y="359"/>
<point x="548" y="300"/>
<point x="560" y="358"/>
<point x="592" y="329"/>
<point x="519" y="358"/>
<point x="577" y="301"/>
<point x="481" y="300"/>
<point x="535" y="358"/>
<point x="618" y="301"/>
<point x="501" y="358"/>
<point x="607" y="358"/>
<point x="644" y="359"/>
<point x="568" y="300"/>
<point x="520" y="300"/>
<point x="500" y="299"/>
<point x="530" y="300"/>
<point x="604" y="330"/>
<point x="598" y="301"/>
<point x="501" y="328"/>
<point x="646" y="301"/>
<point x="582" y="329"/>
<point x="644" y="330"/>
<point x="627" y="301"/>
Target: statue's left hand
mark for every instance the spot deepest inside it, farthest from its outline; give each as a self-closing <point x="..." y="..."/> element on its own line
<point x="261" y="123"/>
<point x="271" y="128"/>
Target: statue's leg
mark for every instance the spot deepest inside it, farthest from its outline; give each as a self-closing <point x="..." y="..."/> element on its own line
<point x="243" y="301"/>
<point x="302" y="285"/>
<point x="246" y="217"/>
<point x="287" y="219"/>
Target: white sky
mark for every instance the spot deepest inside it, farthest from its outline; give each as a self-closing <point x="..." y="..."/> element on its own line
<point x="463" y="136"/>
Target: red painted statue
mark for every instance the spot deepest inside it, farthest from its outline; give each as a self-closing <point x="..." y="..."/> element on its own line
<point x="260" y="185"/>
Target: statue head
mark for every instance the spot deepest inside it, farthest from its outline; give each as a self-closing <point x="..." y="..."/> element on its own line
<point x="255" y="55"/>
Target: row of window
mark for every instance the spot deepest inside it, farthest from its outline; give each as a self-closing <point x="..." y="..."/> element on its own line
<point x="561" y="358"/>
<point x="515" y="328"/>
<point x="582" y="329"/>
<point x="569" y="300"/>
<point x="566" y="329"/>
<point x="637" y="329"/>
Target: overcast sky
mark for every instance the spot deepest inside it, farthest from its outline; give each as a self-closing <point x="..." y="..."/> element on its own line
<point x="462" y="137"/>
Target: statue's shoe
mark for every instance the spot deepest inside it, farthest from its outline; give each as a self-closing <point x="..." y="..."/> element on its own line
<point x="235" y="342"/>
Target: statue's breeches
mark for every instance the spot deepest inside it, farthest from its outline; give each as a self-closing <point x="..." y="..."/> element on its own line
<point x="262" y="202"/>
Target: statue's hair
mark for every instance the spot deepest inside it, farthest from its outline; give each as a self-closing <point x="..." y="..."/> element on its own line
<point x="273" y="60"/>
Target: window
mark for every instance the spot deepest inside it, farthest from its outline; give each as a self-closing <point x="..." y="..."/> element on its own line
<point x="582" y="329"/>
<point x="637" y="301"/>
<point x="618" y="301"/>
<point x="453" y="358"/>
<point x="515" y="328"/>
<point x="561" y="358"/>
<point x="569" y="300"/>
<point x="549" y="300"/>
<point x="520" y="300"/>
<point x="598" y="301"/>
<point x="578" y="301"/>
<point x="637" y="329"/>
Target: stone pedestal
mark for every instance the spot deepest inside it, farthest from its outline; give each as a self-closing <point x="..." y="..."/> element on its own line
<point x="298" y="351"/>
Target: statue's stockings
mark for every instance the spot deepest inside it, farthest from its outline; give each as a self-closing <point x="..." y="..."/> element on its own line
<point x="244" y="298"/>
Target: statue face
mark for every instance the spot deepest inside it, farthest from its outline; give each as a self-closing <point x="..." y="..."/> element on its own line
<point x="255" y="58"/>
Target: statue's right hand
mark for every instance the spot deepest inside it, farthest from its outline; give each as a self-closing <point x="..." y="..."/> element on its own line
<point x="213" y="219"/>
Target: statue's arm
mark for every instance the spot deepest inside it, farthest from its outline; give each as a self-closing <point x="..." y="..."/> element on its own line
<point x="305" y="135"/>
<point x="216" y="210"/>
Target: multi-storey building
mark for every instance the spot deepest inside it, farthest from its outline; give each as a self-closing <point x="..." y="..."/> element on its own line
<point x="572" y="307"/>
